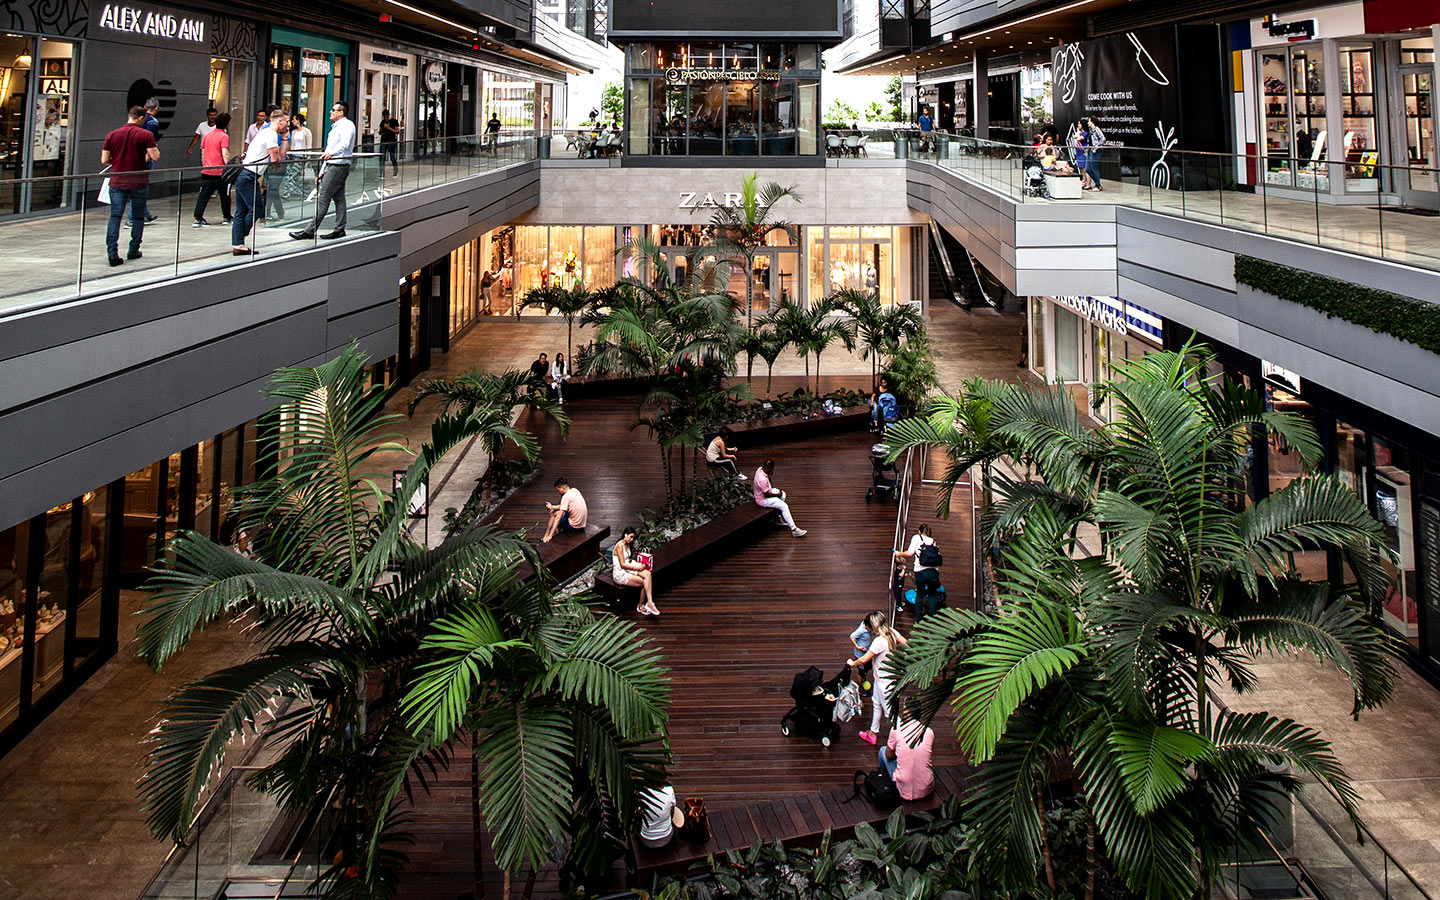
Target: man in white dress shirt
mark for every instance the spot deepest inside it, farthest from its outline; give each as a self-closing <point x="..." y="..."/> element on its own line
<point x="339" y="153"/>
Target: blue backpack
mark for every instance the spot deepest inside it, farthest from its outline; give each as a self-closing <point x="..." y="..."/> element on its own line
<point x="888" y="407"/>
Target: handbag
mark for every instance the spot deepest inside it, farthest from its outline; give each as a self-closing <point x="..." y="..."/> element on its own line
<point x="877" y="788"/>
<point x="697" y="826"/>
<point x="232" y="170"/>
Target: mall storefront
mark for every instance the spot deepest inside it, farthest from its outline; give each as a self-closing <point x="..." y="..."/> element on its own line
<point x="1339" y="102"/>
<point x="1390" y="464"/>
<point x="67" y="575"/>
<point x="1077" y="340"/>
<point x="714" y="98"/>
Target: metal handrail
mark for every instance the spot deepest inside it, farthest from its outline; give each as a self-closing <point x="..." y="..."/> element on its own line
<point x="104" y="173"/>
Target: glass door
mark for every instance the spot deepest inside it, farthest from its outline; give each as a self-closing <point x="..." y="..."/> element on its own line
<point x="1417" y="143"/>
<point x="16" y="67"/>
<point x="1359" y="117"/>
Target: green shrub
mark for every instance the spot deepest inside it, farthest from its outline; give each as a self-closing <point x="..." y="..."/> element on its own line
<point x="1414" y="321"/>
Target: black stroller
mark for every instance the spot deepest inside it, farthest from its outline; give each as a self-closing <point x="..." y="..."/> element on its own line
<point x="884" y="477"/>
<point x="1034" y="183"/>
<point x="814" y="712"/>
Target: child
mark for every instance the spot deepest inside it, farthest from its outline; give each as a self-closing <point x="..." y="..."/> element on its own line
<point x="861" y="638"/>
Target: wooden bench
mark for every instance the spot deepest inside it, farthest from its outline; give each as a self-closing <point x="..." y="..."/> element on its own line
<point x="785" y="428"/>
<point x="799" y="820"/>
<point x="679" y="558"/>
<point x="604" y="386"/>
<point x="568" y="554"/>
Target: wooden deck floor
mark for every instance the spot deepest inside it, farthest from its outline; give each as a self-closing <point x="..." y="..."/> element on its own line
<point x="734" y="635"/>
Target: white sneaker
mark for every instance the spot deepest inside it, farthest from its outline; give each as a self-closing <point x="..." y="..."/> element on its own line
<point x="741" y="477"/>
<point x="799" y="532"/>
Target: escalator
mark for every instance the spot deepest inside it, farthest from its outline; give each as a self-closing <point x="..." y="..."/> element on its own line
<point x="956" y="275"/>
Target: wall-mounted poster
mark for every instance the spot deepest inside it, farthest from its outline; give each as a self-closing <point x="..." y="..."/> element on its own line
<point x="49" y="125"/>
<point x="1159" y="88"/>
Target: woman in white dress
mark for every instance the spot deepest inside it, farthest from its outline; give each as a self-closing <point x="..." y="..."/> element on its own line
<point x="627" y="571"/>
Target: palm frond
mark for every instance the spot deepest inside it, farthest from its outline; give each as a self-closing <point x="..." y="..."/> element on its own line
<point x="613" y="666"/>
<point x="466" y="644"/>
<point x="525" y="754"/>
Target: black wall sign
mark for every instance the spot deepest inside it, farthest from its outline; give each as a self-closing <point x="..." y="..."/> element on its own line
<point x="1160" y="88"/>
<point x="817" y="19"/>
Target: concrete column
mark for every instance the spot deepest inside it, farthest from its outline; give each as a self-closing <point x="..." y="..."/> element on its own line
<point x="981" y="113"/>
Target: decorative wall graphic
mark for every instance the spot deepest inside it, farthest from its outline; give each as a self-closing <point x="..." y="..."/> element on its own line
<point x="233" y="38"/>
<point x="1160" y="169"/>
<point x="141" y="90"/>
<point x="1065" y="64"/>
<point x="61" y="18"/>
<point x="1146" y="62"/>
<point x="1153" y="89"/>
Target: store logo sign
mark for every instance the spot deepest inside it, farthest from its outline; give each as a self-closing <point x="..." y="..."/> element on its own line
<point x="133" y="20"/>
<point x="677" y="75"/>
<point x="693" y="200"/>
<point x="1098" y="311"/>
<point x="312" y="65"/>
<point x="435" y="77"/>
<point x="1299" y="30"/>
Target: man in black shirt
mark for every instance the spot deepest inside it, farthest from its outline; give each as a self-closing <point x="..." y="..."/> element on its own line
<point x="492" y="134"/>
<point x="389" y="141"/>
<point x="539" y="369"/>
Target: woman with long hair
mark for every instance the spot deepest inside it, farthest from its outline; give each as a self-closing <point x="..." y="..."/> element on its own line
<point x="927" y="578"/>
<point x="883" y="638"/>
<point x="627" y="571"/>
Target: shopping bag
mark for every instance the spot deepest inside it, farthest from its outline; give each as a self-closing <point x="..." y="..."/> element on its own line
<point x="104" y="195"/>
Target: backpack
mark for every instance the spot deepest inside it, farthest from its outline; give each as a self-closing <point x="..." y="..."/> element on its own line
<point x="877" y="788"/>
<point x="888" y="407"/>
<point x="929" y="556"/>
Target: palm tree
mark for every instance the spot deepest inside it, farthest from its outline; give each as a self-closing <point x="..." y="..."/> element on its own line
<point x="569" y="710"/>
<point x="826" y="329"/>
<point x="771" y="347"/>
<point x="792" y="327"/>
<point x="1105" y="661"/>
<point x="335" y="634"/>
<point x="568" y="302"/>
<point x="746" y="229"/>
<point x="752" y="344"/>
<point x="488" y="401"/>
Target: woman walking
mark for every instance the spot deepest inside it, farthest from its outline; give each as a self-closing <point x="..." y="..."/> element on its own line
<point x="627" y="571"/>
<point x="1092" y="157"/>
<point x="927" y="577"/>
<point x="883" y="639"/>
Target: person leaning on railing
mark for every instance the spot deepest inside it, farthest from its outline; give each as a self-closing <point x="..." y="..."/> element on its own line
<point x="266" y="150"/>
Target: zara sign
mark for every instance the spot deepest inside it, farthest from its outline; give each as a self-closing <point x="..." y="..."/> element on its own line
<point x="694" y="200"/>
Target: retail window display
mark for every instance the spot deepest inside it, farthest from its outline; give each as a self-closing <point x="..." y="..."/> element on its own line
<point x="1391" y="502"/>
<point x="36" y="117"/>
<point x="1360" y="139"/>
<point x="563" y="255"/>
<point x="1297" y="139"/>
<point x="855" y="257"/>
<point x="511" y="98"/>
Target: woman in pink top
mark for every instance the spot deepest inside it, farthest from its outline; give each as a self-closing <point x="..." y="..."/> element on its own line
<point x="214" y="152"/>
<point x="767" y="494"/>
<point x="909" y="767"/>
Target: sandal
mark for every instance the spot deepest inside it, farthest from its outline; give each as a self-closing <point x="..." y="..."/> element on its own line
<point x="642" y="610"/>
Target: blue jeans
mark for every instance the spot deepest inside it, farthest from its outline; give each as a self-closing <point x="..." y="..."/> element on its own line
<point x="887" y="764"/>
<point x="247" y="189"/>
<point x="118" y="198"/>
<point x="391" y="152"/>
<point x="1092" y="167"/>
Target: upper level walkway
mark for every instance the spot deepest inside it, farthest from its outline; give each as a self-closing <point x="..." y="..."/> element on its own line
<point x="52" y="257"/>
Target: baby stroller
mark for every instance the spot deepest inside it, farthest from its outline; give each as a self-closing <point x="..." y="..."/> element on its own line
<point x="814" y="712"/>
<point x="884" y="477"/>
<point x="1034" y="185"/>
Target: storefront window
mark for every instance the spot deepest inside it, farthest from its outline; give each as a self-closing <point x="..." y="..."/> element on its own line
<point x="307" y="74"/>
<point x="230" y="89"/>
<point x="35" y="120"/>
<point x="1417" y="72"/>
<point x="1285" y="466"/>
<point x="1391" y="502"/>
<point x="1037" y="337"/>
<point x="1357" y="110"/>
<point x="1293" y="112"/>
<point x="511" y="98"/>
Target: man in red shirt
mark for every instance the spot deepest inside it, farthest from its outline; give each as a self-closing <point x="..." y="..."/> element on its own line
<point x="127" y="151"/>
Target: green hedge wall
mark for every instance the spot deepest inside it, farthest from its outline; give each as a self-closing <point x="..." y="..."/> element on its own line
<point x="1381" y="311"/>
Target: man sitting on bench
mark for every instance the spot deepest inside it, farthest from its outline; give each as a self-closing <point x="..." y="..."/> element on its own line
<point x="570" y="514"/>
<point x="719" y="455"/>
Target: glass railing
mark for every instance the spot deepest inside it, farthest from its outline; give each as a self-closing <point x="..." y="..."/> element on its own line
<point x="1292" y="200"/>
<point x="55" y="256"/>
<point x="242" y="844"/>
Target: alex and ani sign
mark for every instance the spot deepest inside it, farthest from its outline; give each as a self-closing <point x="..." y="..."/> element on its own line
<point x="677" y="75"/>
<point x="135" y="20"/>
